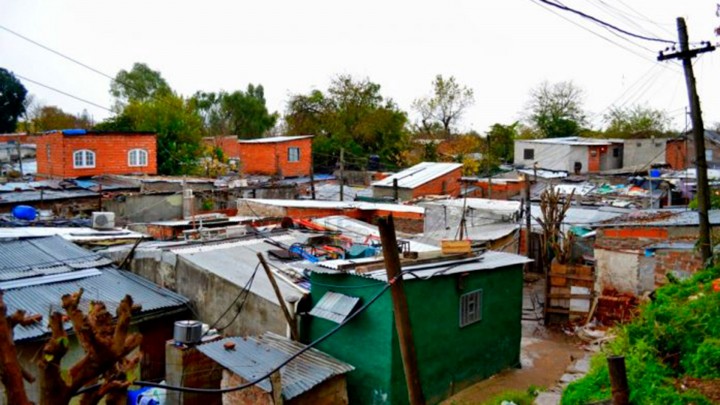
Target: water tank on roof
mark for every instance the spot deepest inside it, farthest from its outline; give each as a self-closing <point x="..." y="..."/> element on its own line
<point x="187" y="332"/>
<point x="25" y="212"/>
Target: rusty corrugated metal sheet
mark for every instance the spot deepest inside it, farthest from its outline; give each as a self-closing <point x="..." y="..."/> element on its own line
<point x="253" y="357"/>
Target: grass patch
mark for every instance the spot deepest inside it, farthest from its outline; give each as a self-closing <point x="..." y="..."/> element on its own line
<point x="675" y="336"/>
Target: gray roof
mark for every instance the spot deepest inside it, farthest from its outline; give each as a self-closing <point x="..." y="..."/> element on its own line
<point x="275" y="139"/>
<point x="253" y="357"/>
<point x="109" y="286"/>
<point x="46" y="195"/>
<point x="645" y="218"/>
<point x="34" y="257"/>
<point x="334" y="306"/>
<point x="418" y="175"/>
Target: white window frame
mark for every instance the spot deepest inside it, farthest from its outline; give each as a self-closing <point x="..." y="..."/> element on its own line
<point x="137" y="153"/>
<point x="80" y="159"/>
<point x="290" y="154"/>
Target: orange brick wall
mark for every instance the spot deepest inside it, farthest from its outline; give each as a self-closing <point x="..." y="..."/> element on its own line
<point x="676" y="154"/>
<point x="635" y="233"/>
<point x="22" y="138"/>
<point x="55" y="154"/>
<point x="499" y="191"/>
<point x="228" y="144"/>
<point x="271" y="158"/>
<point x="452" y="185"/>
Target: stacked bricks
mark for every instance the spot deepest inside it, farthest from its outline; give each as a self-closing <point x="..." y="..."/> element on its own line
<point x="271" y="158"/>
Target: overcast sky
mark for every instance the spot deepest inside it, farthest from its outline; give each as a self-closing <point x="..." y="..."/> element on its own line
<point x="500" y="49"/>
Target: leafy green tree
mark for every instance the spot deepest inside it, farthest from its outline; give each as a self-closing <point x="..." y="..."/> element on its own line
<point x="636" y="121"/>
<point x="12" y="101"/>
<point x="556" y="109"/>
<point x="139" y="84"/>
<point x="445" y="106"/>
<point x="178" y="127"/>
<point x="241" y="113"/>
<point x="501" y="141"/>
<point x="352" y="115"/>
<point x="47" y="118"/>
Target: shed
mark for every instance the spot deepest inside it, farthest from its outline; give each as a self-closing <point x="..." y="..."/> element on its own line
<point x="571" y="154"/>
<point x="313" y="378"/>
<point x="424" y="178"/>
<point x="465" y="317"/>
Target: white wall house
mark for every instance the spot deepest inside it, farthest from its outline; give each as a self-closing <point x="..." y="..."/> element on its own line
<point x="572" y="154"/>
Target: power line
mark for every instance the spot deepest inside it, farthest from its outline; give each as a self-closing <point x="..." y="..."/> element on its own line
<point x="605" y="24"/>
<point x="63" y="93"/>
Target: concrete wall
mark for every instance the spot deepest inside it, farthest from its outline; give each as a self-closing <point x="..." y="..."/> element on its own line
<point x="145" y="207"/>
<point x="552" y="156"/>
<point x="211" y="295"/>
<point x="608" y="160"/>
<point x="643" y="151"/>
<point x="617" y="271"/>
<point x="329" y="392"/>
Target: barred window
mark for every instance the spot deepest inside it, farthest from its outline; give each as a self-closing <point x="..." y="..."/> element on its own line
<point x="470" y="308"/>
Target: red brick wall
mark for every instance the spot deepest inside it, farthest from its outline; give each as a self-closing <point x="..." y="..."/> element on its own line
<point x="667" y="260"/>
<point x="22" y="138"/>
<point x="271" y="158"/>
<point x="111" y="154"/>
<point x="500" y="191"/>
<point x="676" y="154"/>
<point x="451" y="181"/>
<point x="228" y="144"/>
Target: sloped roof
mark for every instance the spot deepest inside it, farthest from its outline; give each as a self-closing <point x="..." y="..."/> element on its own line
<point x="275" y="139"/>
<point x="253" y="357"/>
<point x="418" y="175"/>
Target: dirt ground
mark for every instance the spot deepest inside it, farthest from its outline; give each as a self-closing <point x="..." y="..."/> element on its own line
<point x="545" y="355"/>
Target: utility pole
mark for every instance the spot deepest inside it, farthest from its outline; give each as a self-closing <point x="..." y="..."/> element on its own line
<point x="400" y="309"/>
<point x="278" y="294"/>
<point x="703" y="190"/>
<point x="528" y="213"/>
<point x="312" y="177"/>
<point x="342" y="177"/>
<point x="19" y="152"/>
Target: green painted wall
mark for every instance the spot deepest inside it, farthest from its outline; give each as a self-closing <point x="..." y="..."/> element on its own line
<point x="449" y="357"/>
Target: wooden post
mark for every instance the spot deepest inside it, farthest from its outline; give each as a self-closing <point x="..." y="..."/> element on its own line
<point x="312" y="177"/>
<point x="288" y="317"/>
<point x="618" y="380"/>
<point x="20" y="163"/>
<point x="396" y="192"/>
<point x="400" y="309"/>
<point x="276" y="384"/>
<point x="528" y="215"/>
<point x="342" y="177"/>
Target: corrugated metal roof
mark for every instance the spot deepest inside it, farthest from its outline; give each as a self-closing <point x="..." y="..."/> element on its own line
<point x="365" y="206"/>
<point x="42" y="256"/>
<point x="334" y="306"/>
<point x="47" y="195"/>
<point x="575" y="141"/>
<point x="110" y="287"/>
<point x="253" y="357"/>
<point x="275" y="139"/>
<point x="683" y="218"/>
<point x="359" y="231"/>
<point x="418" y="175"/>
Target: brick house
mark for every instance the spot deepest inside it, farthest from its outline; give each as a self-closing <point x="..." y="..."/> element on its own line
<point x="81" y="153"/>
<point x="426" y="178"/>
<point x="635" y="253"/>
<point x="281" y="156"/>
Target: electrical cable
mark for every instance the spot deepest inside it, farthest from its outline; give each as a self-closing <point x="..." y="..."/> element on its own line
<point x="63" y="92"/>
<point x="606" y="24"/>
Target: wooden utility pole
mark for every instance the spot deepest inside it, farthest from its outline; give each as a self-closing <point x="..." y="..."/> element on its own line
<point x="312" y="177"/>
<point x="400" y="310"/>
<point x="528" y="214"/>
<point x="19" y="152"/>
<point x="288" y="317"/>
<point x="618" y="380"/>
<point x="703" y="190"/>
<point x="342" y="177"/>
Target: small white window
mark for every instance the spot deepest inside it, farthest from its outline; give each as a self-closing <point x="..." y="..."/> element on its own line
<point x="293" y="154"/>
<point x="708" y="155"/>
<point x="83" y="159"/>
<point x="137" y="158"/>
<point x="470" y="308"/>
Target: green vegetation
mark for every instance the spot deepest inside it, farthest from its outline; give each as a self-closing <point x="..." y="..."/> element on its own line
<point x="12" y="101"/>
<point x="673" y="337"/>
<point x="515" y="397"/>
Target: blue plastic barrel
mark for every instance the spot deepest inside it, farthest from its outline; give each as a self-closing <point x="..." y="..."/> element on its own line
<point x="25" y="212"/>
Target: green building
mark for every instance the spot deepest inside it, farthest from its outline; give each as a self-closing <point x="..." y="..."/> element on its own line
<point x="465" y="318"/>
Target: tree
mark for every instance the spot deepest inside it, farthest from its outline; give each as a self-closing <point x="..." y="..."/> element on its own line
<point x="501" y="141"/>
<point x="636" y="121"/>
<point x="238" y="113"/>
<point x="446" y="105"/>
<point x="352" y="115"/>
<point x="12" y="101"/>
<point x="177" y="125"/>
<point x="47" y="118"/>
<point x="556" y="109"/>
<point x="107" y="344"/>
<point x="139" y="84"/>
